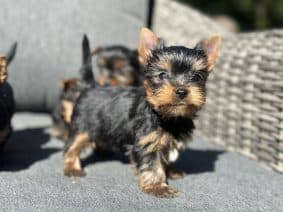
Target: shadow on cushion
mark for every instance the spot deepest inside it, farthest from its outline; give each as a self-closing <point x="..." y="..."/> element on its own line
<point x="24" y="148"/>
<point x="191" y="161"/>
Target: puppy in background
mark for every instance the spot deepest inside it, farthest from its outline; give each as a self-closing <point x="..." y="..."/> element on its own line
<point x="7" y="103"/>
<point x="70" y="91"/>
<point x="117" y="66"/>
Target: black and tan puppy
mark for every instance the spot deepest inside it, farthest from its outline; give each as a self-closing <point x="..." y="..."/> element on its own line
<point x="152" y="124"/>
<point x="70" y="91"/>
<point x="7" y="103"/>
<point x="118" y="66"/>
<point x="61" y="116"/>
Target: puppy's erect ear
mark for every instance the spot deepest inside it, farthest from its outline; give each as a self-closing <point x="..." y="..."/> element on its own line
<point x="67" y="84"/>
<point x="96" y="50"/>
<point x="86" y="72"/>
<point x="86" y="52"/>
<point x="148" y="42"/>
<point x="211" y="47"/>
<point x="12" y="52"/>
<point x="3" y="69"/>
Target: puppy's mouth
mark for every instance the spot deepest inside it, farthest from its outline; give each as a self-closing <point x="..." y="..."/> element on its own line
<point x="177" y="110"/>
<point x="180" y="105"/>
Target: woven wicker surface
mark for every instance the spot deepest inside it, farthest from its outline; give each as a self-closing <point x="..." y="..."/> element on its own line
<point x="244" y="107"/>
<point x="179" y="24"/>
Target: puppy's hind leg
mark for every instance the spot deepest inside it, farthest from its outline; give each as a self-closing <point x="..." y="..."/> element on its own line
<point x="73" y="149"/>
<point x="173" y="173"/>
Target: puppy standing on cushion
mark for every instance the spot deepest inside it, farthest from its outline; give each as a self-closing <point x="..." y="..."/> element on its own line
<point x="6" y="97"/>
<point x="151" y="124"/>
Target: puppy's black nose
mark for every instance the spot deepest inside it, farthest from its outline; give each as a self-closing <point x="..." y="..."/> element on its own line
<point x="181" y="93"/>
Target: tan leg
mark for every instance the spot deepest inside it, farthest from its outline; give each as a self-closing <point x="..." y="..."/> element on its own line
<point x="55" y="132"/>
<point x="174" y="174"/>
<point x="162" y="190"/>
<point x="72" y="163"/>
<point x="154" y="182"/>
<point x="60" y="133"/>
<point x="67" y="110"/>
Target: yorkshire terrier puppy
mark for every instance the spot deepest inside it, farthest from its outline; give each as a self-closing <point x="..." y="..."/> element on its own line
<point x="7" y="102"/>
<point x="70" y="91"/>
<point x="151" y="124"/>
<point x="118" y="66"/>
<point x="61" y="116"/>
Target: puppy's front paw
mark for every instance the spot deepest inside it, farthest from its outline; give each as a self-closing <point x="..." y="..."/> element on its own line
<point x="175" y="174"/>
<point x="72" y="168"/>
<point x="74" y="172"/>
<point x="161" y="190"/>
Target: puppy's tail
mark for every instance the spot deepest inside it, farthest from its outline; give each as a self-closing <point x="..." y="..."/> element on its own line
<point x="86" y="71"/>
<point x="11" y="53"/>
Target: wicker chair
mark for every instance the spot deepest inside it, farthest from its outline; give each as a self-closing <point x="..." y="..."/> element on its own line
<point x="244" y="108"/>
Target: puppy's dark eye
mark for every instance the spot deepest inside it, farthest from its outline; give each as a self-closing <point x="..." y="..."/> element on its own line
<point x="196" y="78"/>
<point x="163" y="75"/>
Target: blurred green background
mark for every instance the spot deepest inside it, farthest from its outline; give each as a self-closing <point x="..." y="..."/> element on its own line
<point x="248" y="14"/>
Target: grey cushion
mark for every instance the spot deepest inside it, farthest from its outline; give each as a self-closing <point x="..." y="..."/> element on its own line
<point x="31" y="179"/>
<point x="49" y="34"/>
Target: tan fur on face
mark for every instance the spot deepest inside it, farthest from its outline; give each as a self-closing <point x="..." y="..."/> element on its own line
<point x="164" y="65"/>
<point x="123" y="80"/>
<point x="68" y="83"/>
<point x="164" y="96"/>
<point x="196" y="96"/>
<point x="119" y="64"/>
<point x="165" y="100"/>
<point x="3" y="69"/>
<point x="67" y="110"/>
<point x="199" y="65"/>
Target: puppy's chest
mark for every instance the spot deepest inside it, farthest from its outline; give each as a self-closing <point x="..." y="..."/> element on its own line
<point x="163" y="143"/>
<point x="178" y="134"/>
<point x="172" y="152"/>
